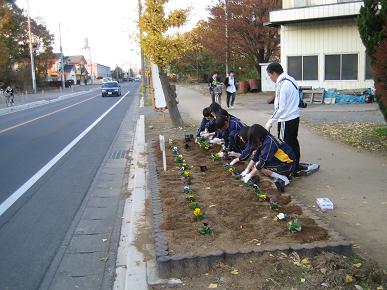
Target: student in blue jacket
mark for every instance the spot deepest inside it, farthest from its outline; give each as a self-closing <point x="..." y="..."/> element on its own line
<point x="243" y="150"/>
<point x="207" y="126"/>
<point x="273" y="157"/>
<point x="230" y="126"/>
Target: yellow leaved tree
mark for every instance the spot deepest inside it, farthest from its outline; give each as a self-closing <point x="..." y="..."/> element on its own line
<point x="161" y="47"/>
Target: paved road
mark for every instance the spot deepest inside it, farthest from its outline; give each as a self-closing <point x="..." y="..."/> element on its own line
<point x="32" y="229"/>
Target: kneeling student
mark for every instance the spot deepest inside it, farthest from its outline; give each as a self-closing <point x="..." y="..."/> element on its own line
<point x="230" y="127"/>
<point x="207" y="126"/>
<point x="242" y="151"/>
<point x="273" y="157"/>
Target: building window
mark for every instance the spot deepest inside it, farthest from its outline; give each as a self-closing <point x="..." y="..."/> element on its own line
<point x="303" y="67"/>
<point x="341" y="67"/>
<point x="368" y="68"/>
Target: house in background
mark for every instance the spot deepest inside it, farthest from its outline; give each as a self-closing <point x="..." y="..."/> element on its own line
<point x="321" y="45"/>
<point x="70" y="73"/>
<point x="81" y="73"/>
<point x="98" y="71"/>
<point x="54" y="71"/>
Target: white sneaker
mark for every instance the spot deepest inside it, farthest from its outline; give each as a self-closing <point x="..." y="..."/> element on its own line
<point x="232" y="107"/>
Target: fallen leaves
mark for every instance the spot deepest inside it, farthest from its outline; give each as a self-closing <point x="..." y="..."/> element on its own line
<point x="234" y="272"/>
<point x="348" y="279"/>
<point x="212" y="286"/>
<point x="357" y="265"/>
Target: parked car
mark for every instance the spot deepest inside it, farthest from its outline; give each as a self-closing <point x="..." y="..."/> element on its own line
<point x="111" y="89"/>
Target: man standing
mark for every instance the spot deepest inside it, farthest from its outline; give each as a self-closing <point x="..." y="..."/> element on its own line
<point x="286" y="108"/>
<point x="231" y="88"/>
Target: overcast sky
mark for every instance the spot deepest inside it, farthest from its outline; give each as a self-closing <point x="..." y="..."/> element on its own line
<point x="110" y="27"/>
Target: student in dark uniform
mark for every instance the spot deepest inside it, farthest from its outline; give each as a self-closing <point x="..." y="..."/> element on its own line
<point x="273" y="157"/>
<point x="207" y="126"/>
<point x="230" y="126"/>
<point x="243" y="152"/>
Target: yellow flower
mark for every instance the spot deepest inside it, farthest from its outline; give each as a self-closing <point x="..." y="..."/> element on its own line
<point x="186" y="173"/>
<point x="197" y="212"/>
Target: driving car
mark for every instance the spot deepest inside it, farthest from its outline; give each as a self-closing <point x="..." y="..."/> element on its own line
<point x="111" y="89"/>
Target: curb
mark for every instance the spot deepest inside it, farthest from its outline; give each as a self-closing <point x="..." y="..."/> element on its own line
<point x="178" y="266"/>
<point x="130" y="266"/>
<point x="14" y="109"/>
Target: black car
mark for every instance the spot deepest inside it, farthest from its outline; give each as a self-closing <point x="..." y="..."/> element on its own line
<point x="111" y="89"/>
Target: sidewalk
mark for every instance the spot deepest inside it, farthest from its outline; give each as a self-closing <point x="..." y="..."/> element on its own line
<point x="355" y="182"/>
<point x="21" y="99"/>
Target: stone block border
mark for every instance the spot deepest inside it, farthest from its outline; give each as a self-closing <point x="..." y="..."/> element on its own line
<point x="179" y="266"/>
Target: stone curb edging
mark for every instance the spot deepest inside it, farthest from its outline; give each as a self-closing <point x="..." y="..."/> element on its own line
<point x="178" y="266"/>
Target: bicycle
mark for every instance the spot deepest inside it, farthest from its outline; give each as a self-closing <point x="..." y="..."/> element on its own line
<point x="218" y="94"/>
<point x="9" y="98"/>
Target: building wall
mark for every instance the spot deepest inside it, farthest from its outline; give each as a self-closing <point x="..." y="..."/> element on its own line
<point x="320" y="38"/>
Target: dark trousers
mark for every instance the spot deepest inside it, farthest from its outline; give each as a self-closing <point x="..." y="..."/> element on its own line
<point x="288" y="132"/>
<point x="232" y="97"/>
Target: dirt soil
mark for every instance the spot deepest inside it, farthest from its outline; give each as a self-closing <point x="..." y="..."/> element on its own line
<point x="238" y="219"/>
<point x="281" y="271"/>
<point x="278" y="270"/>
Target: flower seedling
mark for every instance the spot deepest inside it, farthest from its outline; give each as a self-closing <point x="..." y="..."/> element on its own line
<point x="179" y="159"/>
<point x="198" y="214"/>
<point x="281" y="217"/>
<point x="205" y="229"/>
<point x="274" y="206"/>
<point x="175" y="151"/>
<point x="215" y="156"/>
<point x="190" y="197"/>
<point x="263" y="197"/>
<point x="249" y="183"/>
<point x="294" y="226"/>
<point x="185" y="173"/>
<point x="237" y="176"/>
<point x="187" y="189"/>
<point x="194" y="205"/>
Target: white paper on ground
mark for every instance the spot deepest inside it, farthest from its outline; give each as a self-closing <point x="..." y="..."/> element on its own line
<point x="325" y="203"/>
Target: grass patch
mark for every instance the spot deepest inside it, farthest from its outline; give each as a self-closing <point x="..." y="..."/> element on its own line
<point x="381" y="131"/>
<point x="361" y="135"/>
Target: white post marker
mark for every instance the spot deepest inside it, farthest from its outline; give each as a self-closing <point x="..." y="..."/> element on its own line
<point x="162" y="148"/>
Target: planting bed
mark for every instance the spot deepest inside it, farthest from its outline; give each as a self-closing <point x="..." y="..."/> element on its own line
<point x="240" y="223"/>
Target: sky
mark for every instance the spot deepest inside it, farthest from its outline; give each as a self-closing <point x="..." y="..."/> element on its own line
<point x="110" y="26"/>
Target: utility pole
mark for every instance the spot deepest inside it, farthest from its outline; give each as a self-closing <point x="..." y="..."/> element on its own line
<point x="226" y="22"/>
<point x="143" y="81"/>
<point x="61" y="58"/>
<point x="91" y="63"/>
<point x="31" y="50"/>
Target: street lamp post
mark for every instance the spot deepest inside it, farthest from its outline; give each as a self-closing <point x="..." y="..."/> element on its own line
<point x="31" y="50"/>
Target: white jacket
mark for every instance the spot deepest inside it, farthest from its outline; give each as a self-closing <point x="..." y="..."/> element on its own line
<point x="286" y="100"/>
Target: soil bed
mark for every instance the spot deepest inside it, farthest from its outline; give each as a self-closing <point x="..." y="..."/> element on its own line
<point x="240" y="222"/>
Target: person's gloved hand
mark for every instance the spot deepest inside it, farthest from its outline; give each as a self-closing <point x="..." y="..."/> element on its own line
<point x="234" y="161"/>
<point x="245" y="172"/>
<point x="247" y="177"/>
<point x="221" y="154"/>
<point x="232" y="154"/>
<point x="216" y="141"/>
<point x="268" y="125"/>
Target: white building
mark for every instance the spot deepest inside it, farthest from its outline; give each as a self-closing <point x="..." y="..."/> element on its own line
<point x="321" y="45"/>
<point x="98" y="71"/>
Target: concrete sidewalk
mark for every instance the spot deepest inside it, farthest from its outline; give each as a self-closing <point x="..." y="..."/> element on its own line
<point x="21" y="99"/>
<point x="355" y="182"/>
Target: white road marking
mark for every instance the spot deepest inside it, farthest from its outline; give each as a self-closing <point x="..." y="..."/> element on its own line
<point x="29" y="183"/>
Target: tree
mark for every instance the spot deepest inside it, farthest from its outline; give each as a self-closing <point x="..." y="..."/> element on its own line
<point x="162" y="48"/>
<point x="117" y="73"/>
<point x="14" y="45"/>
<point x="248" y="38"/>
<point x="372" y="23"/>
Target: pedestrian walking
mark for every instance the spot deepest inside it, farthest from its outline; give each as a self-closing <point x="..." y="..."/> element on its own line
<point x="9" y="95"/>
<point x="286" y="108"/>
<point x="231" y="89"/>
<point x="215" y="87"/>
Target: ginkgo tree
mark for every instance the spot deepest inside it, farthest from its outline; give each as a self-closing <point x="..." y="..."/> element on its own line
<point x="162" y="47"/>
